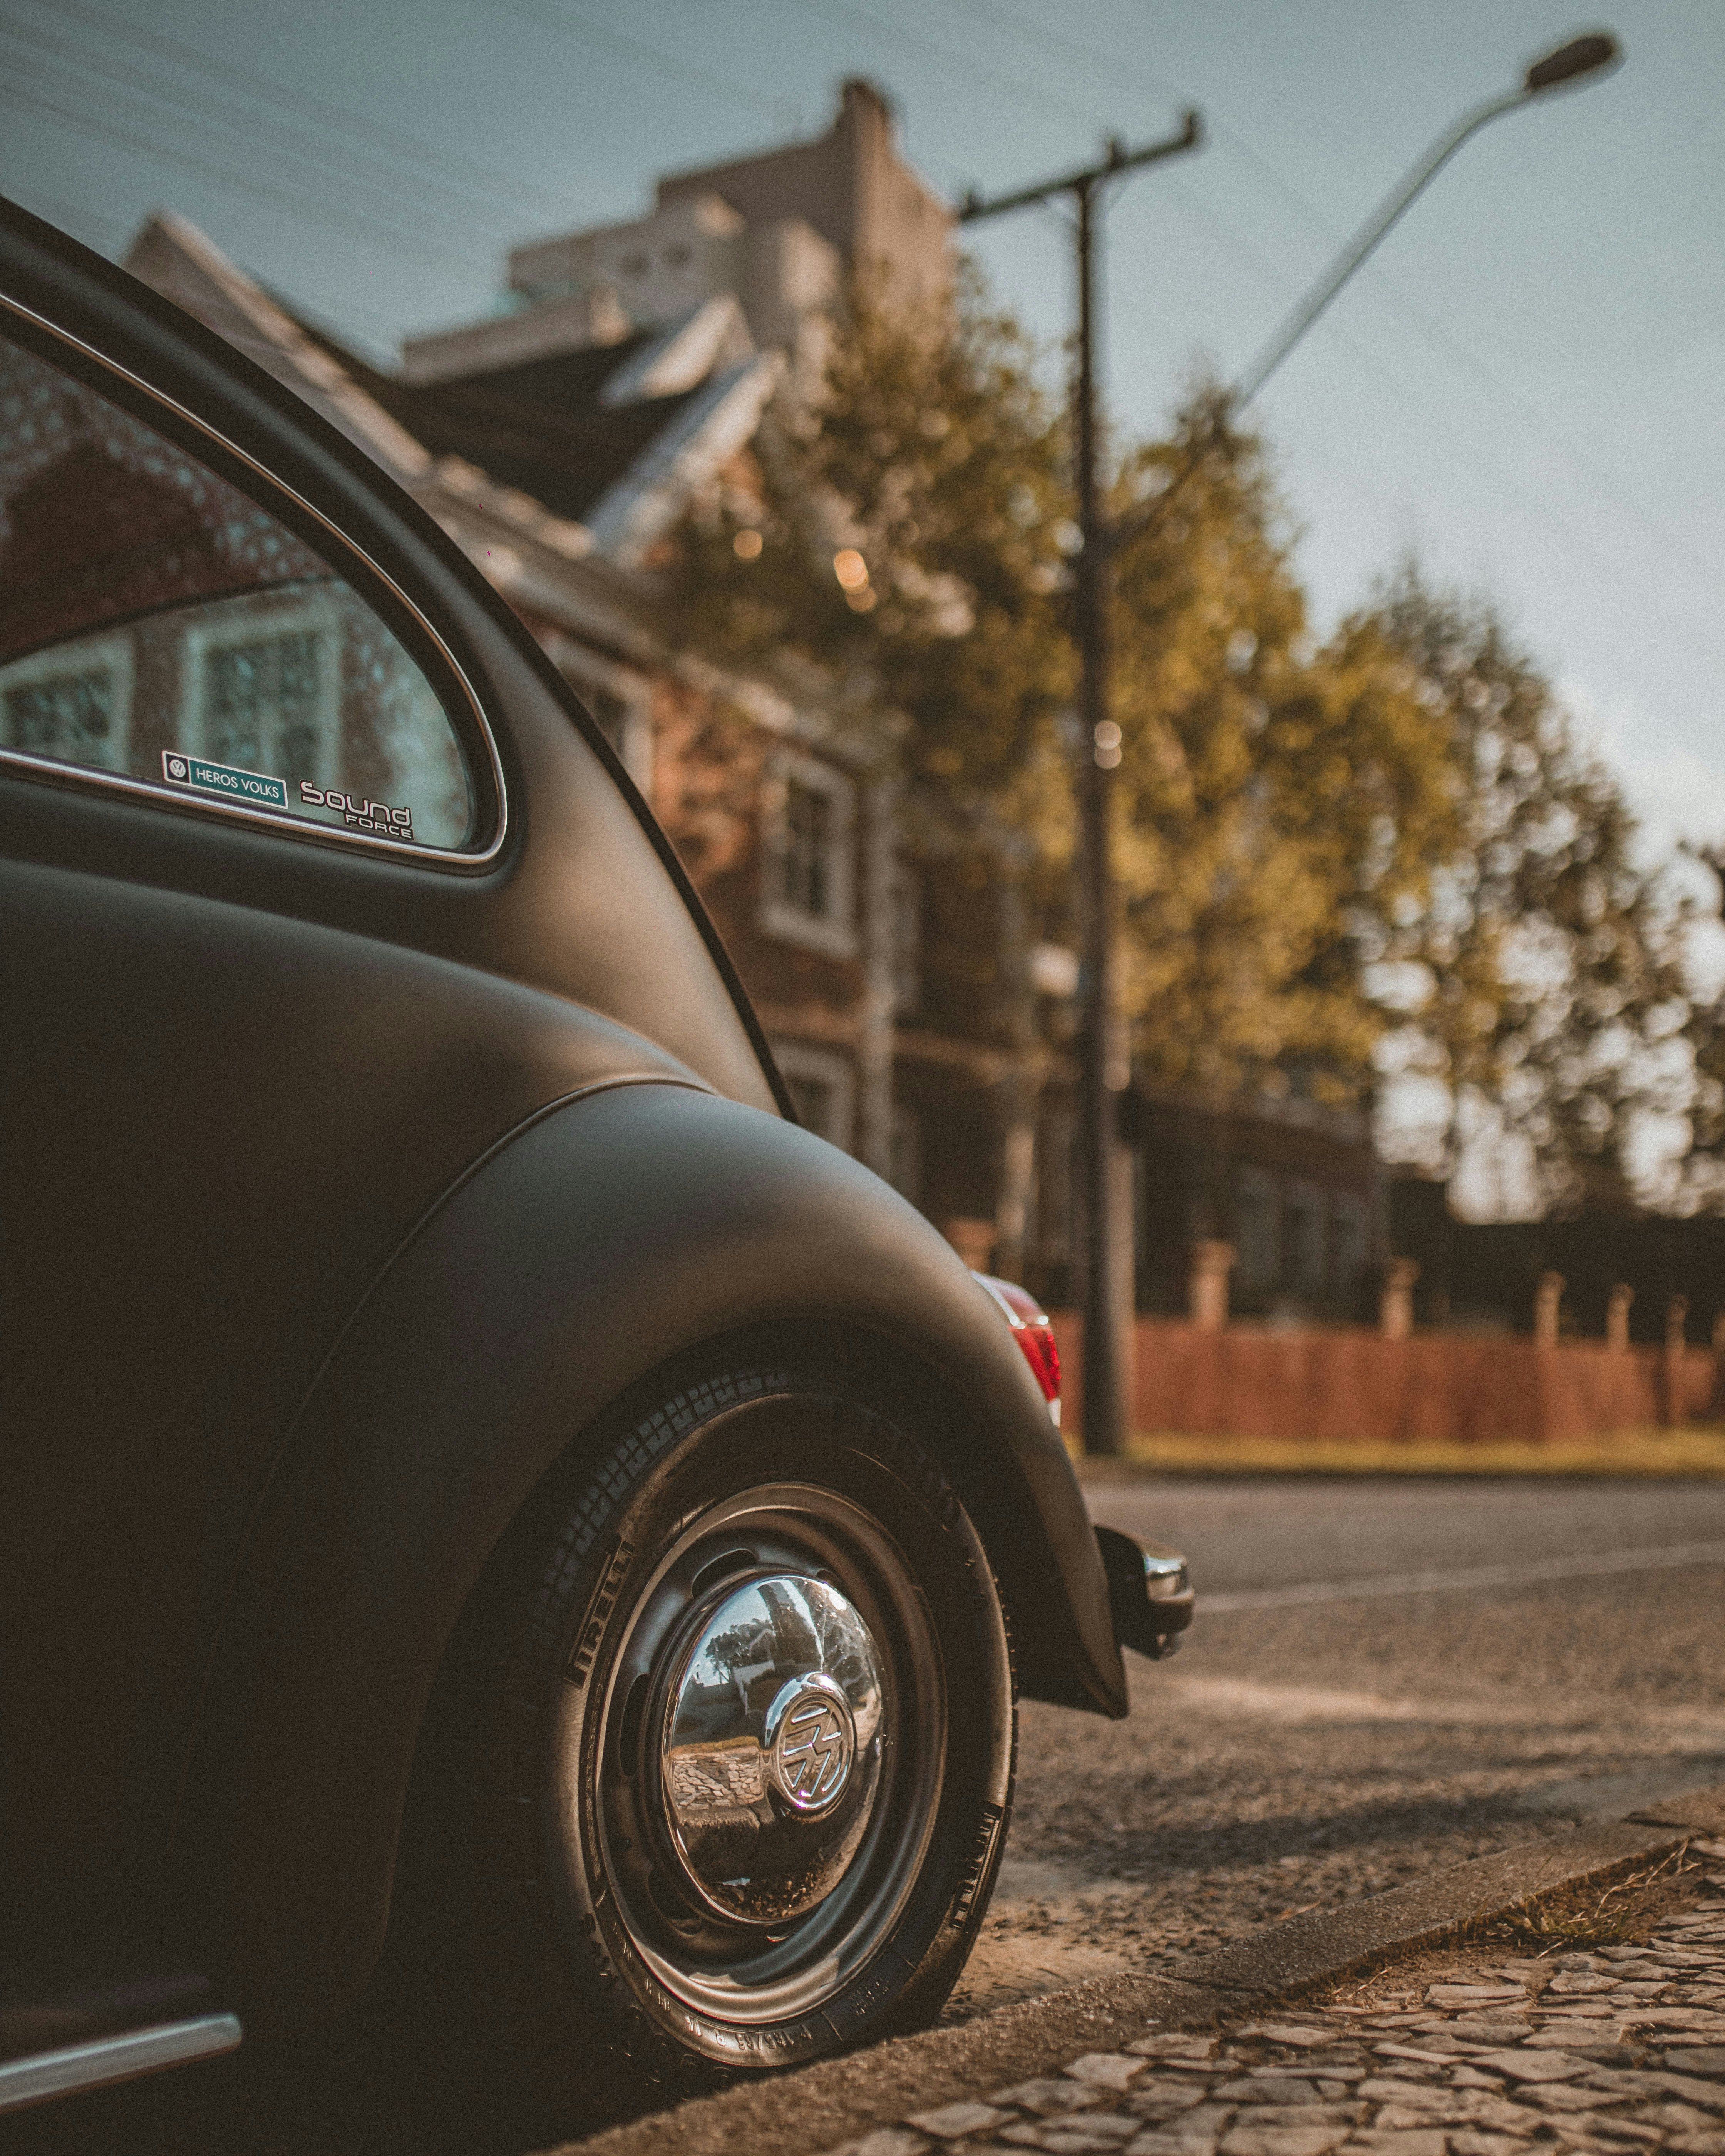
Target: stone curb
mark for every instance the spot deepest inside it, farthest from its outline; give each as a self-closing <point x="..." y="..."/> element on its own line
<point x="816" y="2107"/>
<point x="1287" y="1959"/>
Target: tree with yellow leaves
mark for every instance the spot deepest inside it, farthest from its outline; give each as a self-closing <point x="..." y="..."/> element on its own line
<point x="1309" y="839"/>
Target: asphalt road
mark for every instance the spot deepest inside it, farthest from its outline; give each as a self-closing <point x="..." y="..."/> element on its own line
<point x="1386" y="1676"/>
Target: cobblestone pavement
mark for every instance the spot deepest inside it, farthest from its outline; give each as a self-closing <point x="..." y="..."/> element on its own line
<point x="1297" y="1757"/>
<point x="1609" y="2052"/>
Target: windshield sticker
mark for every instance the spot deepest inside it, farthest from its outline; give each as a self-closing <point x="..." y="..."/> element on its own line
<point x="360" y="815"/>
<point x="233" y="784"/>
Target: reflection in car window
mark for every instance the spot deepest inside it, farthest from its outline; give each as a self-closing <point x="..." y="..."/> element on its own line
<point x="155" y="623"/>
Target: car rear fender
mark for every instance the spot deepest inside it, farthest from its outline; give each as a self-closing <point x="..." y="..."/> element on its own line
<point x="605" y="1238"/>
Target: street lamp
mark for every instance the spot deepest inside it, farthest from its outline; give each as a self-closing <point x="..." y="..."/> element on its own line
<point x="1108" y="1299"/>
<point x="1596" y="53"/>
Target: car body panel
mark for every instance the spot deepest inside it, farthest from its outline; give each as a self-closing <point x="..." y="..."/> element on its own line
<point x="606" y="1239"/>
<point x="219" y="1141"/>
<point x="343" y="1190"/>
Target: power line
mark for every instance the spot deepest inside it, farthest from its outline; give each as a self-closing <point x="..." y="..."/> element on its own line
<point x="329" y="317"/>
<point x="1528" y="503"/>
<point x="290" y="141"/>
<point x="1106" y="64"/>
<point x="1460" y="443"/>
<point x="1027" y="96"/>
<point x="645" y="55"/>
<point x="362" y="228"/>
<point x="69" y="215"/>
<point x="1060" y="43"/>
<point x="968" y="70"/>
<point x="413" y="147"/>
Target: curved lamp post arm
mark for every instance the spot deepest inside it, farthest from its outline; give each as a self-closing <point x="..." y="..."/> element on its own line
<point x="1365" y="242"/>
<point x="1597" y="50"/>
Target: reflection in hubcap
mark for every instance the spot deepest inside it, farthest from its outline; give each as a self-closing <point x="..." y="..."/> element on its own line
<point x="769" y="1750"/>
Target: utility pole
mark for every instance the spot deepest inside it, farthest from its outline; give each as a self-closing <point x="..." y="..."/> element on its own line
<point x="1108" y="1301"/>
<point x="1109" y="1296"/>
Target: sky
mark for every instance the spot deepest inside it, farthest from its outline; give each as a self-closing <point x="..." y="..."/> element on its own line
<point x="1526" y="385"/>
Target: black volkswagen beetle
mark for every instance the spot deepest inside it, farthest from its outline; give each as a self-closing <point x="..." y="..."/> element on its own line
<point x="470" y="1461"/>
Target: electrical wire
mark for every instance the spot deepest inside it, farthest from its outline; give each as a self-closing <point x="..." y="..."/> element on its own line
<point x="414" y="148"/>
<point x="1027" y="96"/>
<point x="647" y="56"/>
<point x="965" y="68"/>
<point x="384" y="184"/>
<point x="364" y="229"/>
<point x="70" y="215"/>
<point x="1062" y="43"/>
<point x="968" y="70"/>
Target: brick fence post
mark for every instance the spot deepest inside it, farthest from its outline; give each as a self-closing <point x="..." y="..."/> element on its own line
<point x="1617" y="1310"/>
<point x="1395" y="1299"/>
<point x="1547" y="1303"/>
<point x="1675" y="1311"/>
<point x="1207" y="1285"/>
<point x="1716" y="1388"/>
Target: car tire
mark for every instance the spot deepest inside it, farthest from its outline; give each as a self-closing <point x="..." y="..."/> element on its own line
<point x="632" y="1870"/>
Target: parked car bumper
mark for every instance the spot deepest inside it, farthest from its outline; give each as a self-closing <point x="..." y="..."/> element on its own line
<point x="1150" y="1592"/>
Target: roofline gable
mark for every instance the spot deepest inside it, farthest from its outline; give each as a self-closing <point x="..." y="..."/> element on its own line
<point x="175" y="258"/>
<point x="713" y="334"/>
<point x="706" y="433"/>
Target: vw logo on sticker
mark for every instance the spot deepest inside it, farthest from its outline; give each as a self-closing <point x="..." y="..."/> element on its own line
<point x="176" y="767"/>
<point x="811" y="1741"/>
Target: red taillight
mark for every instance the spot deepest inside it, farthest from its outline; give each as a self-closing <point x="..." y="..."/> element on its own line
<point x="1033" y="1332"/>
<point x="1044" y="1357"/>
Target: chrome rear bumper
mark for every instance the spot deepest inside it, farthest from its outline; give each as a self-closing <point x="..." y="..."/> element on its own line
<point x="1150" y="1592"/>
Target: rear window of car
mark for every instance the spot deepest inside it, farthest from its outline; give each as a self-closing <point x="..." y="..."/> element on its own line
<point x="158" y="625"/>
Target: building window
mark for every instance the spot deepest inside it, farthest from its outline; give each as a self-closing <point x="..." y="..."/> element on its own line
<point x="1304" y="1272"/>
<point x="1056" y="1182"/>
<point x="167" y="630"/>
<point x="612" y="712"/>
<point x="1257" y="1229"/>
<point x="264" y="704"/>
<point x="1348" y="1242"/>
<point x="806" y="858"/>
<point x="821" y="1084"/>
<point x="813" y="1101"/>
<point x="261" y="688"/>
<point x="808" y="855"/>
<point x="75" y="706"/>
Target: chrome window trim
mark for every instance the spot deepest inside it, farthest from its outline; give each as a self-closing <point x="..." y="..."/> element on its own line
<point x="158" y="792"/>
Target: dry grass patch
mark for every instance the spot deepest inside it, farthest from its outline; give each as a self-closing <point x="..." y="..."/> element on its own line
<point x="1576" y="1920"/>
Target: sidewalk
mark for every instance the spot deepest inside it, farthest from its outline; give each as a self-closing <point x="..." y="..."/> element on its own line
<point x="1608" y="2053"/>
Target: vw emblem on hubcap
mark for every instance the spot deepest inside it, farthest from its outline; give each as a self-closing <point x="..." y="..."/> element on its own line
<point x="811" y="1744"/>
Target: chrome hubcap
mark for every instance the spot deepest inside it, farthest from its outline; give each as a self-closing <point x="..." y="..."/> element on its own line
<point x="769" y="1746"/>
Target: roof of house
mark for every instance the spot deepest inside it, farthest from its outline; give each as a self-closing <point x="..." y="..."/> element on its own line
<point x="538" y="427"/>
<point x="604" y="440"/>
